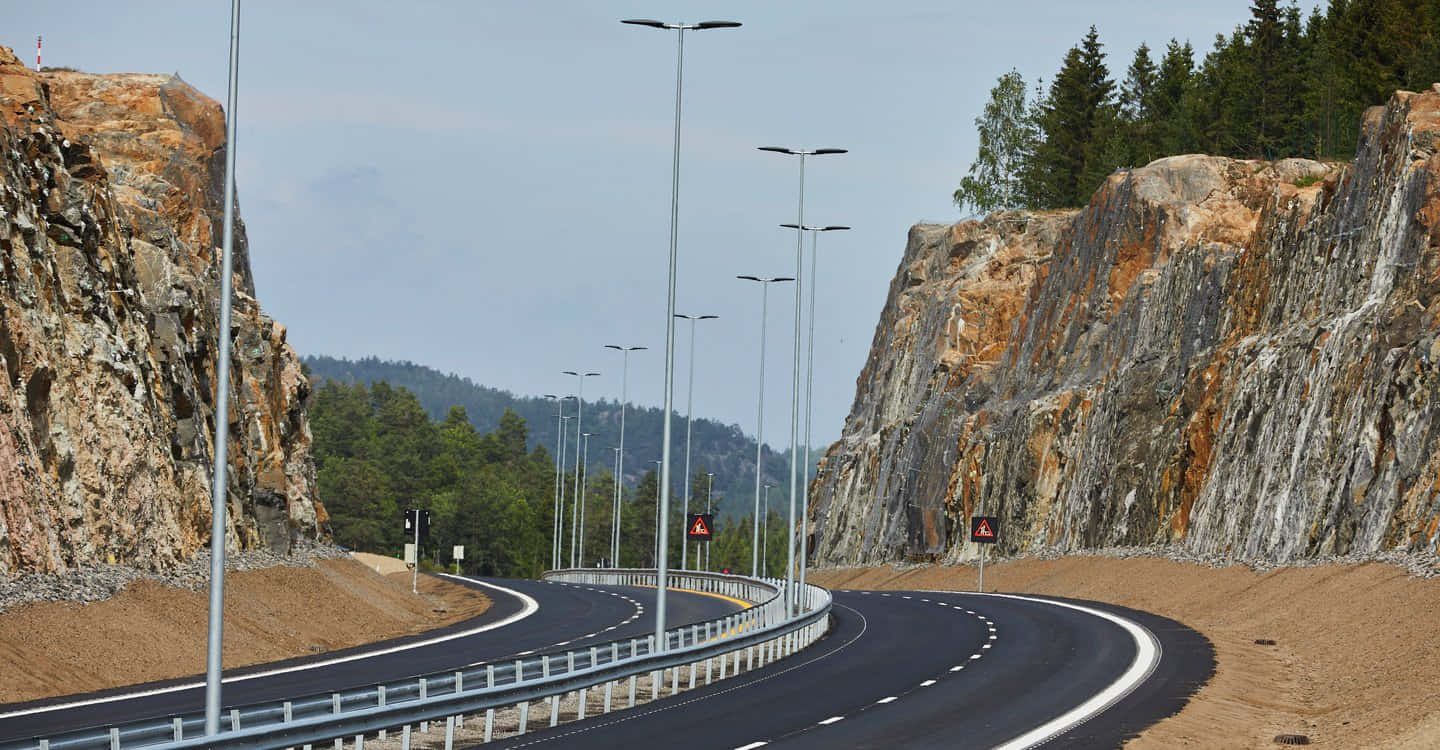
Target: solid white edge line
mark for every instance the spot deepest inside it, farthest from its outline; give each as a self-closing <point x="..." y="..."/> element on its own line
<point x="529" y="608"/>
<point x="752" y="745"/>
<point x="1147" y="657"/>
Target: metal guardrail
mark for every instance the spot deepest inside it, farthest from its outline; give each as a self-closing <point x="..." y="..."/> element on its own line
<point x="762" y="629"/>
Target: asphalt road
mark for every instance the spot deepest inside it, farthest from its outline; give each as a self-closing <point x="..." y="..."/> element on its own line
<point x="921" y="670"/>
<point x="568" y="616"/>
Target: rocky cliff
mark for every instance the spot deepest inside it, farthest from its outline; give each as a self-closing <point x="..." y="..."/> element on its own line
<point x="1230" y="358"/>
<point x="111" y="198"/>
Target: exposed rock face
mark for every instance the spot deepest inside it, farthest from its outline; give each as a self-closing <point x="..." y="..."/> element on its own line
<point x="1231" y="357"/>
<point x="110" y="222"/>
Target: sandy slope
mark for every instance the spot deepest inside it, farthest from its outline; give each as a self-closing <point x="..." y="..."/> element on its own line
<point x="151" y="632"/>
<point x="1357" y="660"/>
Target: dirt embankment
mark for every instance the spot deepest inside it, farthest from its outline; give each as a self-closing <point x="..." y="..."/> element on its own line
<point x="1356" y="662"/>
<point x="154" y="632"/>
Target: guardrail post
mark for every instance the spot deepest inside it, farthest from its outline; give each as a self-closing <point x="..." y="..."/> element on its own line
<point x="359" y="742"/>
<point x="459" y="688"/>
<point x="489" y="712"/>
<point x="524" y="716"/>
<point x="114" y="738"/>
<point x="614" y="651"/>
<point x="234" y="719"/>
<point x="44" y="744"/>
<point x="708" y="664"/>
<point x="449" y="733"/>
<point x="335" y="709"/>
<point x="177" y="730"/>
<point x="674" y="680"/>
<point x="692" y="676"/>
<point x="581" y="709"/>
<point x="632" y="689"/>
<point x="380" y="701"/>
<point x="592" y="657"/>
<point x="609" y="684"/>
<point x="655" y="679"/>
<point x="569" y="661"/>
<point x="424" y="725"/>
<point x="405" y="738"/>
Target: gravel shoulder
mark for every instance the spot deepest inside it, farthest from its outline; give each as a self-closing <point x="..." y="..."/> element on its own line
<point x="1354" y="665"/>
<point x="153" y="627"/>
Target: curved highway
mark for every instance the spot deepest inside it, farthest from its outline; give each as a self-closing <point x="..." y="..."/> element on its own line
<point x="525" y="617"/>
<point x="931" y="670"/>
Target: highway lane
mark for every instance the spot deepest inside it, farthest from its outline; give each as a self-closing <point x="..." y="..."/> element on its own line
<point x="567" y="616"/>
<point x="922" y="670"/>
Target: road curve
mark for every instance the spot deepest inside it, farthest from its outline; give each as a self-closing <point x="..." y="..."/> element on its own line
<point x="931" y="670"/>
<point x="525" y="617"/>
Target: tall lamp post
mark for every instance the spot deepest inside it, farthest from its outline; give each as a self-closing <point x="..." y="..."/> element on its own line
<point x="709" y="508"/>
<point x="659" y="492"/>
<point x="765" y="545"/>
<point x="765" y="283"/>
<point x="790" y="599"/>
<point x="579" y="414"/>
<point x="620" y="464"/>
<point x="689" y="421"/>
<point x="615" y="510"/>
<point x="809" y="392"/>
<point x="660" y="562"/>
<point x="560" y="514"/>
<point x="584" y="469"/>
<point x="219" y="473"/>
<point x="559" y="444"/>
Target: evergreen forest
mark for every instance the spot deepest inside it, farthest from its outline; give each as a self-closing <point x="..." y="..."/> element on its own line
<point x="1283" y="84"/>
<point x="378" y="452"/>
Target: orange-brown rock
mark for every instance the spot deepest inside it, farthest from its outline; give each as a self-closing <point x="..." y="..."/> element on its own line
<point x="110" y="211"/>
<point x="1231" y="358"/>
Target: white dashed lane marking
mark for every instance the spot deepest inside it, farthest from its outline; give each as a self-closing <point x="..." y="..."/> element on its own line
<point x="886" y="699"/>
<point x="833" y="719"/>
<point x="752" y="745"/>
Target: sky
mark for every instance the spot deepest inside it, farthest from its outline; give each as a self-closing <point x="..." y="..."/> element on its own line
<point x="484" y="187"/>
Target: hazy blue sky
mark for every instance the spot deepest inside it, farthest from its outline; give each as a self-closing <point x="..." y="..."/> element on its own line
<point x="483" y="187"/>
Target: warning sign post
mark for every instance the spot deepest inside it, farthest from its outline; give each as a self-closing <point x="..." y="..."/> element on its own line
<point x="698" y="526"/>
<point x="984" y="530"/>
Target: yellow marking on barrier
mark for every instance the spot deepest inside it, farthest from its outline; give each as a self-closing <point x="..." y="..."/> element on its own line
<point x="738" y="602"/>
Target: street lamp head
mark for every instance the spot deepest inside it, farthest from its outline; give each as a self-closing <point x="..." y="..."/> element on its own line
<point x="591" y="374"/>
<point x="778" y="150"/>
<point x="823" y="151"/>
<point x="646" y="22"/>
<point x="832" y="228"/>
<point x="717" y="25"/>
<point x="552" y="396"/>
<point x="568" y="372"/>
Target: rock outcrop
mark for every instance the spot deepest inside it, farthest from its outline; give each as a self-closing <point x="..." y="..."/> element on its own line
<point x="110" y="221"/>
<point x="1224" y="357"/>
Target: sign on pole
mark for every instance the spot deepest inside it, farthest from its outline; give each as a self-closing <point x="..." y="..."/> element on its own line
<point x="409" y="553"/>
<point x="984" y="529"/>
<point x="458" y="553"/>
<point x="417" y="523"/>
<point x="699" y="526"/>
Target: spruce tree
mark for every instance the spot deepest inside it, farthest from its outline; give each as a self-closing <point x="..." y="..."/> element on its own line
<point x="1075" y="124"/>
<point x="1141" y="137"/>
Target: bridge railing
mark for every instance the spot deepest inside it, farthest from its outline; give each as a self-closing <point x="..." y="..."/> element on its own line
<point x="714" y="649"/>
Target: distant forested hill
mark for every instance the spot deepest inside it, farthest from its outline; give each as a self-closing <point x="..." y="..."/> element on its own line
<point x="719" y="448"/>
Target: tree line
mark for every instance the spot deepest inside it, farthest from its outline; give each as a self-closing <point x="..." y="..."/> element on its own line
<point x="1279" y="85"/>
<point x="377" y="452"/>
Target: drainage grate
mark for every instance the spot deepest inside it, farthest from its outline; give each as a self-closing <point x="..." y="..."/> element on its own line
<point x="1265" y="642"/>
<point x="1292" y="739"/>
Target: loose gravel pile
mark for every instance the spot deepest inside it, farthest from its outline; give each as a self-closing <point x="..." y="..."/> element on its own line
<point x="100" y="582"/>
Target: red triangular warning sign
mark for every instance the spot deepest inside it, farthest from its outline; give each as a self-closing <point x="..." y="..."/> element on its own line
<point x="984" y="529"/>
<point x="699" y="528"/>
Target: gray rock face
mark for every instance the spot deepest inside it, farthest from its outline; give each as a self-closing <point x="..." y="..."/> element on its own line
<point x="109" y="237"/>
<point x="1221" y="357"/>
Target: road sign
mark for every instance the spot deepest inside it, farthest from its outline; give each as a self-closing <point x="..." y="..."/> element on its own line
<point x="409" y="553"/>
<point x="458" y="553"/>
<point x="414" y="517"/>
<point x="984" y="529"/>
<point x="699" y="526"/>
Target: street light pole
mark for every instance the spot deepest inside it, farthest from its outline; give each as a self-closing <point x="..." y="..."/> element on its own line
<point x="709" y="509"/>
<point x="560" y="515"/>
<point x="555" y="537"/>
<point x="790" y="599"/>
<point x="660" y="563"/>
<point x="584" y="469"/>
<point x="765" y="283"/>
<point x="689" y="420"/>
<point x="765" y="556"/>
<point x="620" y="465"/>
<point x="220" y="475"/>
<point x="658" y="494"/>
<point x="615" y="509"/>
<point x="579" y="414"/>
<point x="809" y="392"/>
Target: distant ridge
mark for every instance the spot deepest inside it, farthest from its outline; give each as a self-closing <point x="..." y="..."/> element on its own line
<point x="723" y="449"/>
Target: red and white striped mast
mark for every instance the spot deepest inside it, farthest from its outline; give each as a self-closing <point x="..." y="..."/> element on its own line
<point x="38" y="41"/>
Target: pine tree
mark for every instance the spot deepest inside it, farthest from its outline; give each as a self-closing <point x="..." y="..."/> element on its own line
<point x="1074" y="123"/>
<point x="1006" y="138"/>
